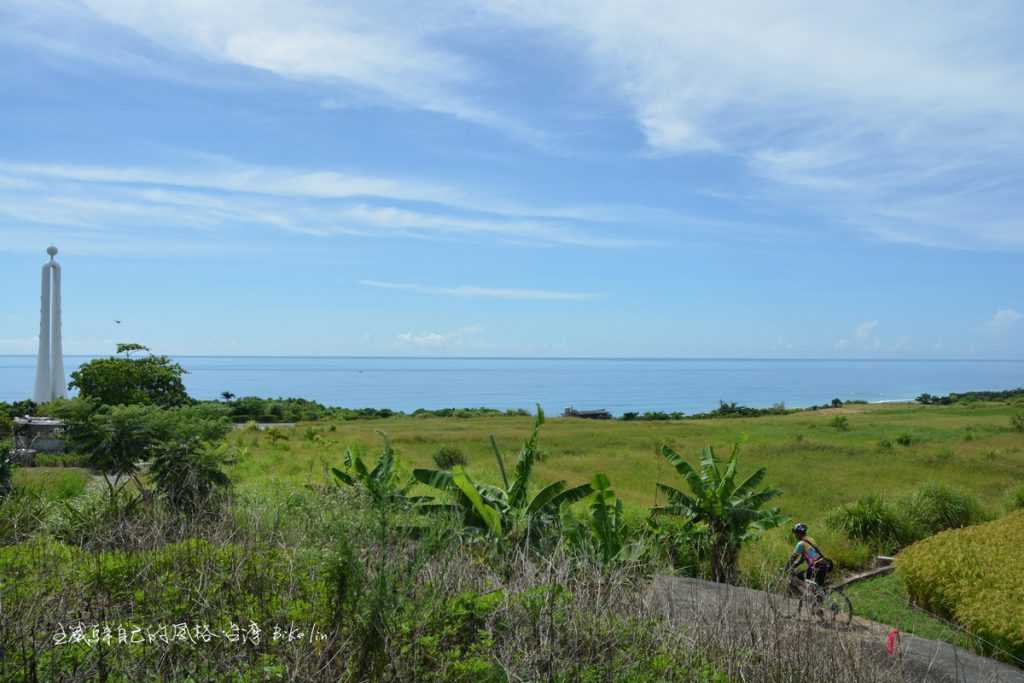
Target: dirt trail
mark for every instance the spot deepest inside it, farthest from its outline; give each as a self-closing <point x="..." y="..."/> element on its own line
<point x="692" y="601"/>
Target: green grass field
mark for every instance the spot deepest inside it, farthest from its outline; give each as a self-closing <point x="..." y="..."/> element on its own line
<point x="55" y="483"/>
<point x="817" y="466"/>
<point x="885" y="600"/>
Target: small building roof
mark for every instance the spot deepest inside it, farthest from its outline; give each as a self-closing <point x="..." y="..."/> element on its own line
<point x="38" y="421"/>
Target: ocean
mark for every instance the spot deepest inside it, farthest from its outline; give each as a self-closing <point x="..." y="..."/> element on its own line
<point x="618" y="385"/>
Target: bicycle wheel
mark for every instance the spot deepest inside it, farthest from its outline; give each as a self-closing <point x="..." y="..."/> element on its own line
<point x="837" y="608"/>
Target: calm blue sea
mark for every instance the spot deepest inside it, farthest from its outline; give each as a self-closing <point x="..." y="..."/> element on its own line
<point x="618" y="385"/>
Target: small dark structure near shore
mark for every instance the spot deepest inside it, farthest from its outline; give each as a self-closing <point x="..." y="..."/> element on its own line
<point x="587" y="414"/>
<point x="36" y="435"/>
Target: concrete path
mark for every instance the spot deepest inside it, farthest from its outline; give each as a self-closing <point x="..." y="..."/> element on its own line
<point x="706" y="604"/>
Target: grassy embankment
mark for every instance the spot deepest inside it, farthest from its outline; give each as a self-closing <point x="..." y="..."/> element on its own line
<point x="817" y="465"/>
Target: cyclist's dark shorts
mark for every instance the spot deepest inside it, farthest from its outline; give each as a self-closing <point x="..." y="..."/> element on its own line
<point x="819" y="573"/>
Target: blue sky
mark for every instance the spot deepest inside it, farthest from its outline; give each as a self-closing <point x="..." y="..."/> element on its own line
<point x="516" y="177"/>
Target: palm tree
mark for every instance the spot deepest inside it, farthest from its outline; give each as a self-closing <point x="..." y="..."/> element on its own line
<point x="731" y="513"/>
<point x="507" y="511"/>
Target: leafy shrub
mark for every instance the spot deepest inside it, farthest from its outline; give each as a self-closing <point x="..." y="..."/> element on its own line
<point x="972" y="575"/>
<point x="448" y="457"/>
<point x="1017" y="422"/>
<point x="885" y="445"/>
<point x="905" y="440"/>
<point x="77" y="414"/>
<point x="6" y="424"/>
<point x="936" y="507"/>
<point x="872" y="520"/>
<point x="19" y="408"/>
<point x="187" y="473"/>
<point x="841" y="423"/>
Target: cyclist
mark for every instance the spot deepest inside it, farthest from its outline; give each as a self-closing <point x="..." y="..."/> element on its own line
<point x="818" y="566"/>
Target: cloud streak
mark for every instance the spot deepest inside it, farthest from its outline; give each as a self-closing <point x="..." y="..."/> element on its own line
<point x="1003" y="319"/>
<point x="439" y="339"/>
<point x="217" y="193"/>
<point x="482" y="292"/>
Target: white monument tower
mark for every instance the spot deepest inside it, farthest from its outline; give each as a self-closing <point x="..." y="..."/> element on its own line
<point x="50" y="365"/>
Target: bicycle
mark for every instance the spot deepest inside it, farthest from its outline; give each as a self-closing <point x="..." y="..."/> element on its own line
<point x="830" y="605"/>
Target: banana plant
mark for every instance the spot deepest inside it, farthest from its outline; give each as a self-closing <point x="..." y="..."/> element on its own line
<point x="383" y="481"/>
<point x="732" y="512"/>
<point x="507" y="511"/>
<point x="605" y="531"/>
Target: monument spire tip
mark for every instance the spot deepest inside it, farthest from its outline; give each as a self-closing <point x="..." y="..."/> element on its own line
<point x="52" y="251"/>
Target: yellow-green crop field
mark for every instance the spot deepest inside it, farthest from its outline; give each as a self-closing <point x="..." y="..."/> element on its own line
<point x="818" y="466"/>
<point x="974" y="576"/>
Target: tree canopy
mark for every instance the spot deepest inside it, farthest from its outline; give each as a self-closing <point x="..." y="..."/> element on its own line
<point x="147" y="380"/>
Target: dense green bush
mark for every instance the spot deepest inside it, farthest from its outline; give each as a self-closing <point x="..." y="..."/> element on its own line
<point x="273" y="410"/>
<point x="448" y="457"/>
<point x="187" y="473"/>
<point x="1017" y="422"/>
<point x="970" y="396"/>
<point x="841" y="423"/>
<point x="19" y="408"/>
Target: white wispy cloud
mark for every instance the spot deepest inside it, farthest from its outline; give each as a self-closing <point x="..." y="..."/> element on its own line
<point x="439" y="339"/>
<point x="1003" y="319"/>
<point x="901" y="123"/>
<point x="878" y="118"/>
<point x="482" y="292"/>
<point x="212" y="192"/>
<point x="356" y="49"/>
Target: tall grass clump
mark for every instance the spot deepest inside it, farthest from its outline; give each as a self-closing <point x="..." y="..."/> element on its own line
<point x="1015" y="498"/>
<point x="887" y="525"/>
<point x="936" y="507"/>
<point x="872" y="520"/>
<point x="6" y="474"/>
